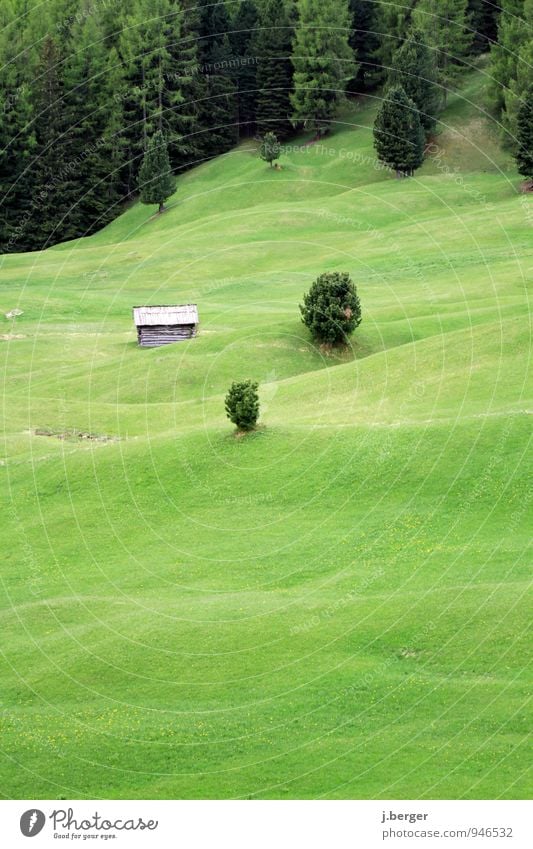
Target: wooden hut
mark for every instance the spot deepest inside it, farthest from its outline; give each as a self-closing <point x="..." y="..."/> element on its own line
<point x="160" y="325"/>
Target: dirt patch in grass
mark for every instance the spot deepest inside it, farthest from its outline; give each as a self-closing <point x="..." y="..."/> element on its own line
<point x="74" y="435"/>
<point x="406" y="653"/>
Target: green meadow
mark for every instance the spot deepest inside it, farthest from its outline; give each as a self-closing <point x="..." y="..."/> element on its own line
<point x="335" y="605"/>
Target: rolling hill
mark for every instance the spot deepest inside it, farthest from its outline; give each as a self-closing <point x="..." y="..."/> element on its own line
<point x="334" y="606"/>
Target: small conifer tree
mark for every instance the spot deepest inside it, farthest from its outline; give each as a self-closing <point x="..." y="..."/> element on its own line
<point x="156" y="180"/>
<point x="398" y="133"/>
<point x="331" y="309"/>
<point x="242" y="405"/>
<point x="524" y="136"/>
<point x="270" y="148"/>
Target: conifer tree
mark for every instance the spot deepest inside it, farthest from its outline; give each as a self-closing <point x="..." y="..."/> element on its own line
<point x="218" y="107"/>
<point x="186" y="84"/>
<point x="444" y="25"/>
<point x="331" y="308"/>
<point x="272" y="47"/>
<point x="524" y="151"/>
<point x="156" y="181"/>
<point x="511" y="65"/>
<point x="150" y="32"/>
<point x="242" y="404"/>
<point x="398" y="133"/>
<point x="219" y="113"/>
<point x="55" y="188"/>
<point x="365" y="41"/>
<point x="394" y="22"/>
<point x="413" y="69"/>
<point x="483" y="16"/>
<point x="94" y="116"/>
<point x="503" y="55"/>
<point x="17" y="137"/>
<point x="270" y="148"/>
<point x="242" y="46"/>
<point x="323" y="62"/>
<point x="113" y="144"/>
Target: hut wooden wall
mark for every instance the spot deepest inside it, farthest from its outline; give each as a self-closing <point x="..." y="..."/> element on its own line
<point x="150" y="336"/>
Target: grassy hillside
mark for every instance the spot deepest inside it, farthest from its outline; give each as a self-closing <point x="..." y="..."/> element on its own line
<point x="334" y="606"/>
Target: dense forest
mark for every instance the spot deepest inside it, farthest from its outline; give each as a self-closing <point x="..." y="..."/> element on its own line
<point x="87" y="83"/>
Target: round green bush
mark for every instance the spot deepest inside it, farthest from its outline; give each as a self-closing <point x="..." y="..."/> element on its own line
<point x="242" y="404"/>
<point x="331" y="309"/>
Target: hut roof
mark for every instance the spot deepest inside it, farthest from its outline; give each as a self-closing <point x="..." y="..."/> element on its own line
<point x="165" y="314"/>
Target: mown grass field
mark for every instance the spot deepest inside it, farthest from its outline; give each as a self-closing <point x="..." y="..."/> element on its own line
<point x="335" y="606"/>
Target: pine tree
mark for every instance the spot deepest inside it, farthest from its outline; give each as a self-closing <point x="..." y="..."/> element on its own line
<point x="394" y="22"/>
<point x="398" y="133"/>
<point x="331" y="308"/>
<point x="17" y="137"/>
<point x="445" y="29"/>
<point x="157" y="30"/>
<point x="186" y="86"/>
<point x="55" y="188"/>
<point x="323" y="62"/>
<point x="504" y="53"/>
<point x="113" y="144"/>
<point x="517" y="90"/>
<point x="242" y="404"/>
<point x="524" y="122"/>
<point x="242" y="46"/>
<point x="94" y="117"/>
<point x="272" y="47"/>
<point x="413" y="69"/>
<point x="270" y="148"/>
<point x="156" y="181"/>
<point x="218" y="107"/>
<point x="365" y="41"/>
<point x="511" y="65"/>
<point x="149" y="40"/>
<point x="130" y="48"/>
<point x="483" y="15"/>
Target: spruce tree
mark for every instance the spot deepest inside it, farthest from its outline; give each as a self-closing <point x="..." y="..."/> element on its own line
<point x="17" y="137"/>
<point x="156" y="181"/>
<point x="524" y="123"/>
<point x="55" y="186"/>
<point x="511" y="66"/>
<point x="218" y="106"/>
<point x="483" y="16"/>
<point x="331" y="308"/>
<point x="272" y="47"/>
<point x="444" y="25"/>
<point x="113" y="144"/>
<point x="323" y="62"/>
<point x="394" y="22"/>
<point x="365" y="41"/>
<point x="242" y="42"/>
<point x="187" y="84"/>
<point x="148" y="45"/>
<point x="504" y="53"/>
<point x="94" y="115"/>
<point x="270" y="148"/>
<point x="398" y="133"/>
<point x="413" y="69"/>
<point x="130" y="49"/>
<point x="242" y="404"/>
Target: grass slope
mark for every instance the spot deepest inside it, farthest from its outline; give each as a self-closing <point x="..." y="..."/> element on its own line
<point x="333" y="607"/>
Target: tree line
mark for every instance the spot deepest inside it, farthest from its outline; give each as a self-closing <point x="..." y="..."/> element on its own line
<point x="86" y="86"/>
